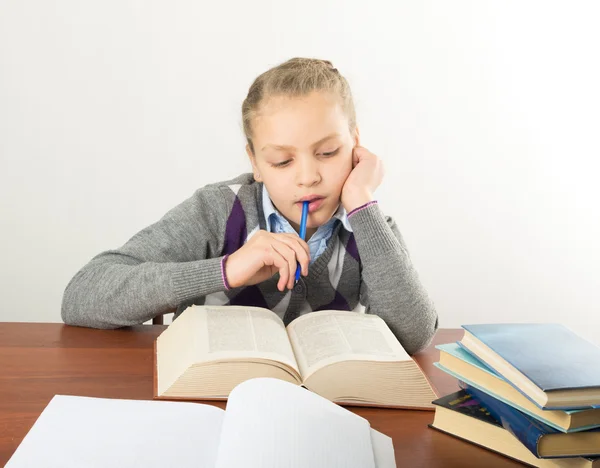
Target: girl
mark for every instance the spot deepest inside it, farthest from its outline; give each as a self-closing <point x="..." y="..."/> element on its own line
<point x="236" y="242"/>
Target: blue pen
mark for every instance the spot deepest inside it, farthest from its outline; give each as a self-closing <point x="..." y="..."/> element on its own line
<point x="302" y="232"/>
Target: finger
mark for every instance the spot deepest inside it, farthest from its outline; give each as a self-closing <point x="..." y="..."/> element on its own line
<point x="282" y="265"/>
<point x="293" y="263"/>
<point x="273" y="260"/>
<point x="356" y="156"/>
<point x="360" y="152"/>
<point x="301" y="242"/>
<point x="302" y="251"/>
<point x="294" y="241"/>
<point x="290" y="255"/>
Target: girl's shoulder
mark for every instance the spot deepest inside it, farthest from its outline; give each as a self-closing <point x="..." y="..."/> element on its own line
<point x="242" y="185"/>
<point x="211" y="206"/>
<point x="232" y="185"/>
<point x="224" y="194"/>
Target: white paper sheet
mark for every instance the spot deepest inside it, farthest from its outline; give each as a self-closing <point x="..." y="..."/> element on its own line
<point x="81" y="432"/>
<point x="383" y="449"/>
<point x="272" y="424"/>
<point x="269" y="424"/>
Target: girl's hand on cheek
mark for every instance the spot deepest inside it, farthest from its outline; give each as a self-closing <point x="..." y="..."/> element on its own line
<point x="366" y="175"/>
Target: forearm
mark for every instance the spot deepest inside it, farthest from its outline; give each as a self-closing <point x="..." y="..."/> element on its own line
<point x="171" y="262"/>
<point x="391" y="287"/>
<point x="114" y="290"/>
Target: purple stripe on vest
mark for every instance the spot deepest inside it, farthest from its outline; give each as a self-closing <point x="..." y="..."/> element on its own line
<point x="351" y="247"/>
<point x="235" y="230"/>
<point x="249" y="296"/>
<point x="338" y="303"/>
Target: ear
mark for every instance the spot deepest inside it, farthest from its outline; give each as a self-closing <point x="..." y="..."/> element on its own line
<point x="253" y="162"/>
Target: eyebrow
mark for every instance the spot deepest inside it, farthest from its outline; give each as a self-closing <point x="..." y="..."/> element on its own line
<point x="287" y="147"/>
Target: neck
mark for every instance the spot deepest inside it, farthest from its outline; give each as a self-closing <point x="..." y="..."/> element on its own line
<point x="309" y="231"/>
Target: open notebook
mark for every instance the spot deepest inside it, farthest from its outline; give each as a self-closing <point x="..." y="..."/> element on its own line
<point x="268" y="423"/>
<point x="346" y="357"/>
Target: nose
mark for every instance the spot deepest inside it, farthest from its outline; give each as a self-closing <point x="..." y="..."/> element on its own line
<point x="307" y="172"/>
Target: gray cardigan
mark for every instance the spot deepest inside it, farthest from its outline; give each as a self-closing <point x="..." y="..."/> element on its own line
<point x="178" y="261"/>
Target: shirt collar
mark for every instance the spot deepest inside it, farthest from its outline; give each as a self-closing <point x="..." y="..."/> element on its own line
<point x="269" y="209"/>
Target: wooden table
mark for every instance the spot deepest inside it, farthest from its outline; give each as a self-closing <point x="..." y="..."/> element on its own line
<point x="39" y="360"/>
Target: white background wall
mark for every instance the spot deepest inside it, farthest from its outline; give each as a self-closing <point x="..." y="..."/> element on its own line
<point x="485" y="113"/>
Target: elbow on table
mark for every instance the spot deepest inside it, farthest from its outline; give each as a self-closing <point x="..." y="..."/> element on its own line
<point x="76" y="317"/>
<point x="423" y="340"/>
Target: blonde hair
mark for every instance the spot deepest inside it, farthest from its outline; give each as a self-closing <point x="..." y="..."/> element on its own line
<point x="295" y="78"/>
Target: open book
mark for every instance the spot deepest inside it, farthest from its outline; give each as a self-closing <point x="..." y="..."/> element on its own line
<point x="268" y="424"/>
<point x="346" y="357"/>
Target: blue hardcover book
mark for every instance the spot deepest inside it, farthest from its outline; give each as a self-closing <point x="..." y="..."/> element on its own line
<point x="541" y="440"/>
<point x="548" y="363"/>
<point x="462" y="416"/>
<point x="462" y="365"/>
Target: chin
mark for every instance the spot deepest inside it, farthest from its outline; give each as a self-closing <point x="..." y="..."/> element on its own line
<point x="318" y="220"/>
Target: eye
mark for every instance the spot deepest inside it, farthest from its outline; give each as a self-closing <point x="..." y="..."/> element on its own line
<point x="330" y="153"/>
<point x="282" y="164"/>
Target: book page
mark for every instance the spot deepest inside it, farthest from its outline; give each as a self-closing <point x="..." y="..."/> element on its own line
<point x="242" y="333"/>
<point x="322" y="338"/>
<point x="76" y="432"/>
<point x="270" y="423"/>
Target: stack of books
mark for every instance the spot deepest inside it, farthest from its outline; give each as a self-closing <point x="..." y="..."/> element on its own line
<point x="530" y="392"/>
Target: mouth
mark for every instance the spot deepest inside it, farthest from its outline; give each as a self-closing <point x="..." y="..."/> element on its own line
<point x="314" y="202"/>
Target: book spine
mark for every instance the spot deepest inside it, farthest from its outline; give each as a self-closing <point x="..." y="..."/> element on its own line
<point x="527" y="430"/>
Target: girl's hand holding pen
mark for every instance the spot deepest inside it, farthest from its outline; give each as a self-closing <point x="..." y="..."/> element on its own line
<point x="264" y="255"/>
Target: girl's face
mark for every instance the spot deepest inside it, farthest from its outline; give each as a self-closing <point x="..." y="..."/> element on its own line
<point x="303" y="151"/>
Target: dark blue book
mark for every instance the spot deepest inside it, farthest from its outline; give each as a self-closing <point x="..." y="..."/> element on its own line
<point x="551" y="365"/>
<point x="542" y="440"/>
<point x="465" y="418"/>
